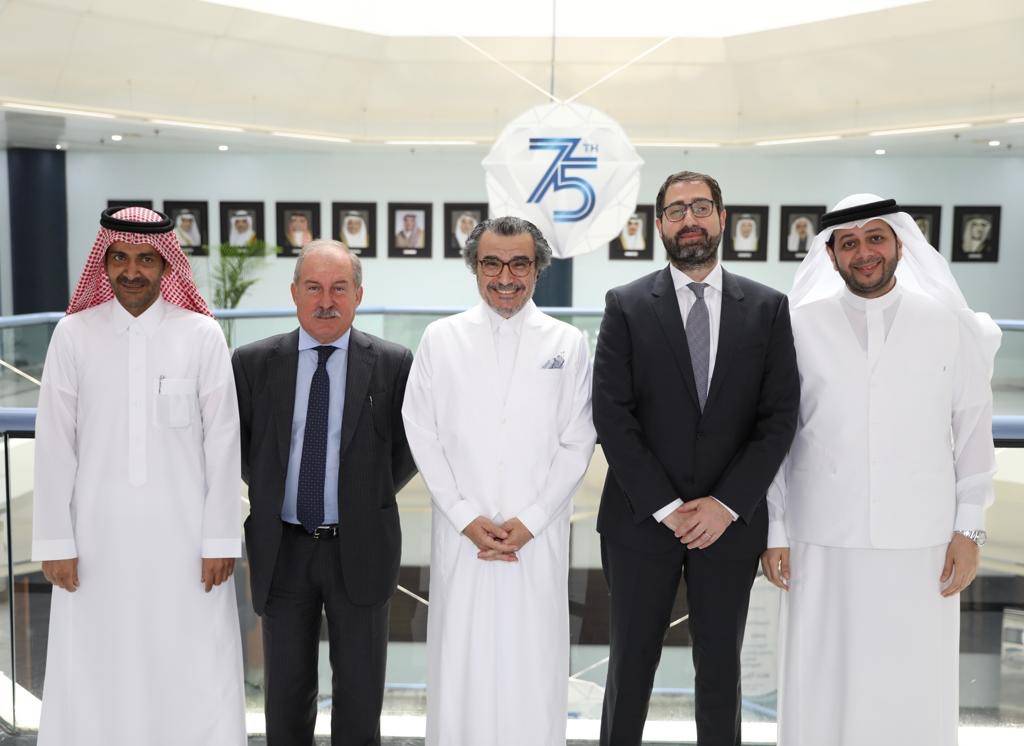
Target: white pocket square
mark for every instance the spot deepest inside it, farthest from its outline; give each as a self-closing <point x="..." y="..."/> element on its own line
<point x="558" y="361"/>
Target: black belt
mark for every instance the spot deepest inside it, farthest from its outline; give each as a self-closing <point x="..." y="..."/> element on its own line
<point x="327" y="531"/>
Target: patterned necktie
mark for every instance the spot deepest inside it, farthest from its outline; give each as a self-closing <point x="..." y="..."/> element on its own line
<point x="313" y="465"/>
<point x="698" y="337"/>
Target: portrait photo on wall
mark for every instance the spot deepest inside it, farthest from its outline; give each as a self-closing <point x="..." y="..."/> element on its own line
<point x="355" y="225"/>
<point x="927" y="218"/>
<point x="460" y="218"/>
<point x="409" y="230"/>
<point x="298" y="223"/>
<point x="191" y="225"/>
<point x="636" y="239"/>
<point x="745" y="237"/>
<point x="147" y="203"/>
<point x="976" y="234"/>
<point x="241" y="223"/>
<point x="799" y="224"/>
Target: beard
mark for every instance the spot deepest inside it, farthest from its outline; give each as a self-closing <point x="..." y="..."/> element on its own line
<point x="866" y="290"/>
<point x="691" y="254"/>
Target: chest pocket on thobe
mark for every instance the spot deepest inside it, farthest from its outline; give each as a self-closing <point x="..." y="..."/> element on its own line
<point x="176" y="402"/>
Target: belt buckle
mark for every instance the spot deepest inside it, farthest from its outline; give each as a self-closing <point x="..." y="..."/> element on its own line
<point x="325" y="532"/>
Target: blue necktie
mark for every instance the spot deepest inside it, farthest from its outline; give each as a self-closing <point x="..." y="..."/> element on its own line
<point x="313" y="465"/>
<point x="698" y="337"/>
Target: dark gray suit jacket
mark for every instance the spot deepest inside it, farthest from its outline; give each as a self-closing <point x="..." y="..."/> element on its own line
<point x="375" y="458"/>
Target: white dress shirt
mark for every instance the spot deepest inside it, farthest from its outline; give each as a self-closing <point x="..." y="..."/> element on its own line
<point x="713" y="300"/>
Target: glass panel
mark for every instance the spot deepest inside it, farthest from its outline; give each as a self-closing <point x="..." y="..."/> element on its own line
<point x="1008" y="377"/>
<point x="6" y="648"/>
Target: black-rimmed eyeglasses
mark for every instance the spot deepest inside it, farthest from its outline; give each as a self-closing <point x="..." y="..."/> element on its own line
<point x="519" y="266"/>
<point x="701" y="208"/>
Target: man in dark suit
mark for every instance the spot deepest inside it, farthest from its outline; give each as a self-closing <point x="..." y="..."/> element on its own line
<point x="695" y="403"/>
<point x="324" y="453"/>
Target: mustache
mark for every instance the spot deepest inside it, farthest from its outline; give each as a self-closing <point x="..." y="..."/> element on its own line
<point x="138" y="282"/>
<point x="326" y="313"/>
<point x="691" y="229"/>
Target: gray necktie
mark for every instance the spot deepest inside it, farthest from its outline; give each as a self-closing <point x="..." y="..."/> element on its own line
<point x="698" y="337"/>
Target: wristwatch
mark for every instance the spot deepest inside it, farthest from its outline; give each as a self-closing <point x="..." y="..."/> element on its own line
<point x="978" y="536"/>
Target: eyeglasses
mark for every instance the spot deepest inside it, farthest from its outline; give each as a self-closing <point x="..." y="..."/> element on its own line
<point x="519" y="266"/>
<point x="700" y="208"/>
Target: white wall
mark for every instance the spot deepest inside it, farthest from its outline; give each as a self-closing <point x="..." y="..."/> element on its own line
<point x="6" y="287"/>
<point x="438" y="175"/>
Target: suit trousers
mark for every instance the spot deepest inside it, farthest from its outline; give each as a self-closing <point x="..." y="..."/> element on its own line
<point x="307" y="582"/>
<point x="643" y="589"/>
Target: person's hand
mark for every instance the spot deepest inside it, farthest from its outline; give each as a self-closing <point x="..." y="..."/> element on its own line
<point x="216" y="571"/>
<point x="673" y="520"/>
<point x="962" y="556"/>
<point x="62" y="573"/>
<point x="775" y="563"/>
<point x="704" y="521"/>
<point x="491" y="539"/>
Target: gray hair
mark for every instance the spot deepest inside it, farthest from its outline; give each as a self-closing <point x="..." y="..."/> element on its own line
<point x="507" y="226"/>
<point x="326" y="244"/>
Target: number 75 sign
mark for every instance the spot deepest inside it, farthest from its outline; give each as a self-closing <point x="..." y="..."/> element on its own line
<point x="570" y="170"/>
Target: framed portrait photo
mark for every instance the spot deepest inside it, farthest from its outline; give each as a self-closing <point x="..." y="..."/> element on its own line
<point x="976" y="234"/>
<point x="409" y="225"/>
<point x="147" y="203"/>
<point x="460" y="218"/>
<point x="799" y="226"/>
<point x="298" y="223"/>
<point x="191" y="225"/>
<point x="927" y="218"/>
<point x="241" y="223"/>
<point x="746" y="234"/>
<point x="355" y="225"/>
<point x="636" y="239"/>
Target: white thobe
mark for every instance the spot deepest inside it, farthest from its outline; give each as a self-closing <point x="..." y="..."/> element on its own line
<point x="137" y="475"/>
<point x="498" y="418"/>
<point x="893" y="451"/>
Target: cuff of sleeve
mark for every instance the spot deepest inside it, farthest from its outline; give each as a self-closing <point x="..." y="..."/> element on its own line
<point x="534" y="518"/>
<point x="969" y="518"/>
<point x="53" y="549"/>
<point x="665" y="512"/>
<point x="462" y="514"/>
<point x="732" y="512"/>
<point x="777" y="536"/>
<point x="221" y="548"/>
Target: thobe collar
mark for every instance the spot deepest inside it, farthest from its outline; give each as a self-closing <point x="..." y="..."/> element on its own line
<point x="682" y="281"/>
<point x="513" y="324"/>
<point x="306" y="341"/>
<point x="148" y="321"/>
<point x="865" y="305"/>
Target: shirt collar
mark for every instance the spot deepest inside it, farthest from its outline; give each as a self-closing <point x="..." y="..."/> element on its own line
<point x="871" y="304"/>
<point x="681" y="280"/>
<point x="306" y="342"/>
<point x="513" y="324"/>
<point x="148" y="321"/>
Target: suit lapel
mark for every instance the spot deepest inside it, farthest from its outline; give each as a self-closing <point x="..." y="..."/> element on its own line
<point x="283" y="365"/>
<point x="666" y="308"/>
<point x="729" y="331"/>
<point x="361" y="357"/>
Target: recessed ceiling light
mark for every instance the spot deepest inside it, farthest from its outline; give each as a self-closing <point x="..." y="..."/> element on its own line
<point x="993" y="143"/>
<point x="880" y="151"/>
<point x="59" y="146"/>
<point x="116" y="138"/>
<point x="1015" y="120"/>
<point x="58" y="110"/>
<point x="197" y="125"/>
<point x="222" y="148"/>
<point x="916" y="130"/>
<point x="430" y="142"/>
<point x="642" y="144"/>
<point x="796" y="140"/>
<point x="303" y="136"/>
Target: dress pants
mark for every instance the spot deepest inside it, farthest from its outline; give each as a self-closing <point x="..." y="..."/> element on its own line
<point x="643" y="588"/>
<point x="308" y="580"/>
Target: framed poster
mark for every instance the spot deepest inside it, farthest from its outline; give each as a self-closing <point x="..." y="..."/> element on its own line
<point x="409" y="226"/>
<point x="976" y="234"/>
<point x="927" y="218"/>
<point x="147" y="203"/>
<point x="241" y="223"/>
<point x="355" y="225"/>
<point x="191" y="225"/>
<point x="799" y="225"/>
<point x="636" y="239"/>
<point x="298" y="223"/>
<point x="746" y="234"/>
<point x="460" y="218"/>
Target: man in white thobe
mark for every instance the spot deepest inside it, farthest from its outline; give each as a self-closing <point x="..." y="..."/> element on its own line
<point x="876" y="516"/>
<point x="137" y="514"/>
<point x="497" y="412"/>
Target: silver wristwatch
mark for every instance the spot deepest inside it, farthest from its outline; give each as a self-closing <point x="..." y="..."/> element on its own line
<point x="978" y="536"/>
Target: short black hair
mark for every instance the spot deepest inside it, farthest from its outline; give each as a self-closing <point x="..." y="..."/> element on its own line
<point x="716" y="191"/>
<point x="507" y="226"/>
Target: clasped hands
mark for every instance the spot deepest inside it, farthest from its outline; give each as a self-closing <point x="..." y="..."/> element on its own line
<point x="699" y="523"/>
<point x="497" y="542"/>
<point x="64" y="573"/>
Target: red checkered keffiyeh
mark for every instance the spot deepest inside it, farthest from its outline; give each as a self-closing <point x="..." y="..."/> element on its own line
<point x="176" y="285"/>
